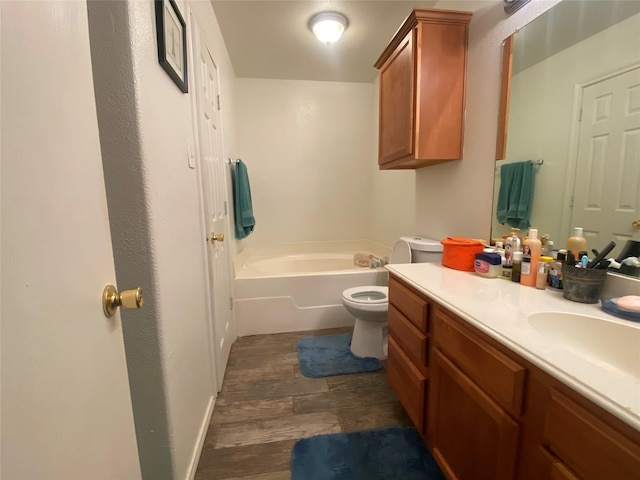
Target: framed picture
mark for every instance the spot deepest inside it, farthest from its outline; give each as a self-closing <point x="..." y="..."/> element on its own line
<point x="172" y="42"/>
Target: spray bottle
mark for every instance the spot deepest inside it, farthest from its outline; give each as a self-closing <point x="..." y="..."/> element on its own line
<point x="512" y="245"/>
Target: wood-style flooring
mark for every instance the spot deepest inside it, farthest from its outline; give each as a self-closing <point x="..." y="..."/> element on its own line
<point x="266" y="404"/>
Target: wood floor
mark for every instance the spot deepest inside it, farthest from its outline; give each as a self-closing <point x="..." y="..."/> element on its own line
<point x="266" y="404"/>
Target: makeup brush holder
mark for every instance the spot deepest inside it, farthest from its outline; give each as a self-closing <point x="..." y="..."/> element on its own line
<point x="583" y="285"/>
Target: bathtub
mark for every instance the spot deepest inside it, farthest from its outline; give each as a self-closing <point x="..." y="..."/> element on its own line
<point x="296" y="287"/>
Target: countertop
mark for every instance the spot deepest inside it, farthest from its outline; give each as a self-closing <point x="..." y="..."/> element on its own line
<point x="501" y="308"/>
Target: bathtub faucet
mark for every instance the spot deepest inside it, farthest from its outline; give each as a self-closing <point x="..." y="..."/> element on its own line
<point x="377" y="262"/>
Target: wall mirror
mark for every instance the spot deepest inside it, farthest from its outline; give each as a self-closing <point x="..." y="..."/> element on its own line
<point x="572" y="98"/>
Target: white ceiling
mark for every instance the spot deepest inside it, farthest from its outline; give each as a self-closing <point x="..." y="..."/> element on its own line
<point x="271" y="39"/>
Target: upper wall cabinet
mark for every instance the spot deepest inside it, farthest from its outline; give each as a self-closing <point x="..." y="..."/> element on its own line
<point x="422" y="87"/>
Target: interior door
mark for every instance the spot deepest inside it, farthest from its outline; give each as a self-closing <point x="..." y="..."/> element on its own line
<point x="214" y="192"/>
<point x="66" y="406"/>
<point x="609" y="154"/>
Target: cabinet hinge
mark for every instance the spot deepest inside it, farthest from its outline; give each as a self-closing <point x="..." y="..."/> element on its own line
<point x="230" y="303"/>
<point x="219" y="107"/>
<point x="225" y="208"/>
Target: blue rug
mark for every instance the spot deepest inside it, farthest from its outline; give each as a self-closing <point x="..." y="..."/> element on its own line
<point x="382" y="454"/>
<point x="329" y="355"/>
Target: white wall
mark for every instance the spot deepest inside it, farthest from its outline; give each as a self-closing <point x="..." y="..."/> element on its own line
<point x="541" y="116"/>
<point x="455" y="198"/>
<point x="145" y="126"/>
<point x="308" y="147"/>
<point x="392" y="208"/>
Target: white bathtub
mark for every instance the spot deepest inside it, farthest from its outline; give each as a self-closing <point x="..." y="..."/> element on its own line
<point x="297" y="287"/>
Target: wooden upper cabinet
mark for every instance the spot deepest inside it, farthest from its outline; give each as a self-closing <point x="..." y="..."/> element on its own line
<point x="422" y="88"/>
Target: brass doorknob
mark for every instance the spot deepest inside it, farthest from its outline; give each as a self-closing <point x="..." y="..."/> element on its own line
<point x="217" y="237"/>
<point x="636" y="223"/>
<point x="111" y="299"/>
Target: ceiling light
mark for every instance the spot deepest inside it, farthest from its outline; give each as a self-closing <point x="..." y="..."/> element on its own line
<point x="328" y="26"/>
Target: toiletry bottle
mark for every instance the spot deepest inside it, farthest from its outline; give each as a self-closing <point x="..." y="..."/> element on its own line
<point x="506" y="269"/>
<point x="516" y="266"/>
<point x="555" y="271"/>
<point x="531" y="248"/>
<point x="541" y="277"/>
<point x="512" y="244"/>
<point x="577" y="242"/>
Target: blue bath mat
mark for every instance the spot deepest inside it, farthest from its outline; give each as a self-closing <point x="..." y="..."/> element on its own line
<point x="381" y="454"/>
<point x="329" y="355"/>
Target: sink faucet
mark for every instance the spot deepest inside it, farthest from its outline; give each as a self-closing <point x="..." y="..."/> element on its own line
<point x="376" y="262"/>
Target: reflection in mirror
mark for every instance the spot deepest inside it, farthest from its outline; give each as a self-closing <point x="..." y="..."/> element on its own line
<point x="575" y="105"/>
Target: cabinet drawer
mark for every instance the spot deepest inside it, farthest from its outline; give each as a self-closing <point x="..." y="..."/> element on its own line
<point x="502" y="378"/>
<point x="409" y="338"/>
<point x="408" y="383"/>
<point x="586" y="444"/>
<point x="412" y="306"/>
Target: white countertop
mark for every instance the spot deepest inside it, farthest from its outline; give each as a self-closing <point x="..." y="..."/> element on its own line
<point x="501" y="308"/>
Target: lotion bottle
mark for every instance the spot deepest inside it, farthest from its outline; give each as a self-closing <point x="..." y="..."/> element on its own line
<point x="532" y="247"/>
<point x="577" y="242"/>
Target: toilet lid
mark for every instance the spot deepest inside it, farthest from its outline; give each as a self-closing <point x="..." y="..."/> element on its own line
<point x="401" y="253"/>
<point x="369" y="295"/>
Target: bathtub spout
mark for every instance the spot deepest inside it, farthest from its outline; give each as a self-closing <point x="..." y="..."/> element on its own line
<point x="377" y="262"/>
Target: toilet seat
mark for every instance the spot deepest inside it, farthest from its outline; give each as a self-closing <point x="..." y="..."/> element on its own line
<point x="367" y="295"/>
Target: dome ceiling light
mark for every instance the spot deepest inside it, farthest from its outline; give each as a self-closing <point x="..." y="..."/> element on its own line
<point x="328" y="27"/>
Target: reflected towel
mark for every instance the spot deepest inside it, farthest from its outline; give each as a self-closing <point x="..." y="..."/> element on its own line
<point x="242" y="206"/>
<point x="515" y="196"/>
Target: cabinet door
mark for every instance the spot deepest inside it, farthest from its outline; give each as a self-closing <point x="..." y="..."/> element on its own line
<point x="590" y="447"/>
<point x="471" y="436"/>
<point x="397" y="97"/>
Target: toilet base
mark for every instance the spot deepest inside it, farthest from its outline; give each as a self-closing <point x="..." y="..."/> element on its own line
<point x="369" y="339"/>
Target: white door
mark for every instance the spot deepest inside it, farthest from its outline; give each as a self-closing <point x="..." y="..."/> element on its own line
<point x="66" y="407"/>
<point x="609" y="154"/>
<point x="214" y="191"/>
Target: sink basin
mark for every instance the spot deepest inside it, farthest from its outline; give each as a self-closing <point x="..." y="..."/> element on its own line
<point x="609" y="344"/>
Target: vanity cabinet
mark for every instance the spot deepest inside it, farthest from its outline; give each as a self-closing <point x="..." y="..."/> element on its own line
<point x="407" y="362"/>
<point x="475" y="395"/>
<point x="489" y="413"/>
<point x="422" y="88"/>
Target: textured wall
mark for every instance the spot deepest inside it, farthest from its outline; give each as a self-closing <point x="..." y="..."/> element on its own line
<point x="156" y="221"/>
<point x="308" y="148"/>
<point x="455" y="198"/>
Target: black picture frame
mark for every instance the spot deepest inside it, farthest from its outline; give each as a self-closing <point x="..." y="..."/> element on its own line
<point x="171" y="31"/>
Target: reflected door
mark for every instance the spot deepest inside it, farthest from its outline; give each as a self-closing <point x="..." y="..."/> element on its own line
<point x="609" y="156"/>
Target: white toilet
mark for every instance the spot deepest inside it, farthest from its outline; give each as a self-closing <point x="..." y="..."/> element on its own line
<point x="369" y="304"/>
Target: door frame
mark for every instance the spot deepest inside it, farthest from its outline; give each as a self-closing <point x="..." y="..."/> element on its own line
<point x="574" y="138"/>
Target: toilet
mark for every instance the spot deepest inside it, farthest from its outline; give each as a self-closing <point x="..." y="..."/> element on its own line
<point x="369" y="304"/>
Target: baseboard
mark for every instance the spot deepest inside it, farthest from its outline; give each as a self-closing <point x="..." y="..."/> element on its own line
<point x="191" y="473"/>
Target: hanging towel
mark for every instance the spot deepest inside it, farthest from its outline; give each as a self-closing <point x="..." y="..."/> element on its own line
<point x="243" y="209"/>
<point x="515" y="196"/>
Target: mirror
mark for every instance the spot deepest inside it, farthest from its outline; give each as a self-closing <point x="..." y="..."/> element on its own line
<point x="574" y="109"/>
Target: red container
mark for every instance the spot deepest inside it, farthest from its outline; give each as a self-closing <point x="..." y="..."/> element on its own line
<point x="460" y="253"/>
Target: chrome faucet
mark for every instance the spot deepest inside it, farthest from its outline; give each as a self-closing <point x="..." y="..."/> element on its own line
<point x="377" y="262"/>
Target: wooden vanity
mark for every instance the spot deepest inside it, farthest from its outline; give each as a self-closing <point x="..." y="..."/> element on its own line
<point x="487" y="412"/>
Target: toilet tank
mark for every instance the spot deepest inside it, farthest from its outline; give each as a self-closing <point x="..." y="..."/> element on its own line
<point x="424" y="250"/>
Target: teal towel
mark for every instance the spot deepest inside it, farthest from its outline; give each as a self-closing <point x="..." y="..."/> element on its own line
<point x="515" y="196"/>
<point x="242" y="206"/>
